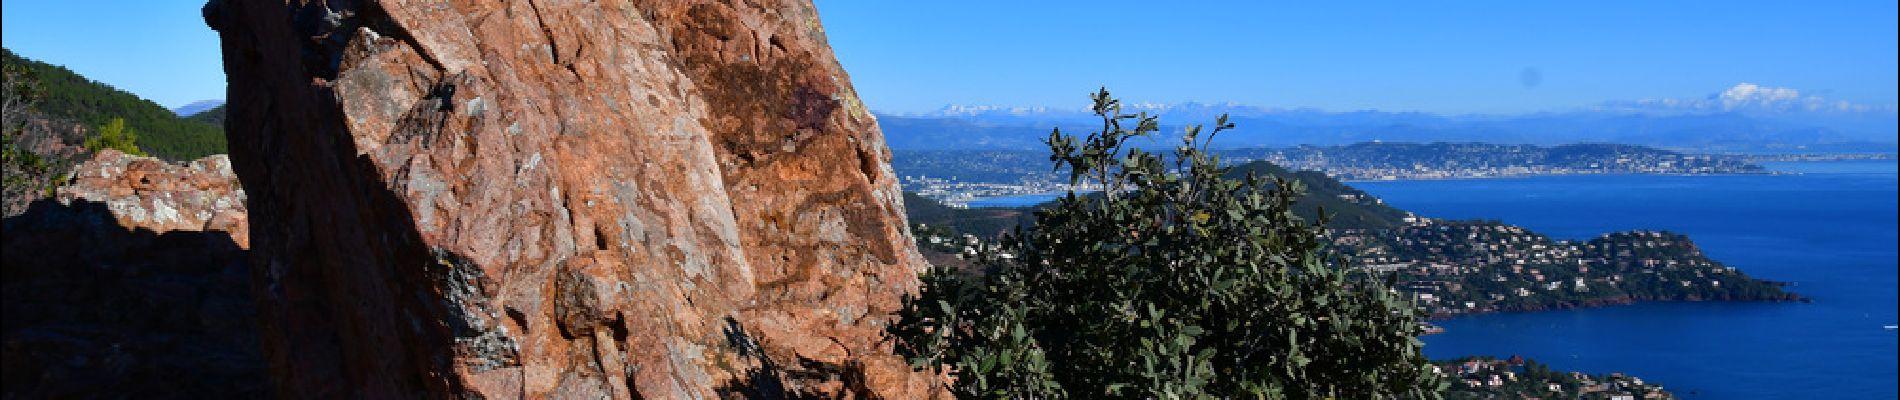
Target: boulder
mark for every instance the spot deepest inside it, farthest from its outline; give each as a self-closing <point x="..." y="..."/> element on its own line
<point x="662" y="199"/>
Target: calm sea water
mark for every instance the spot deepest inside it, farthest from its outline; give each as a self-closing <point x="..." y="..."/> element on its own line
<point x="1830" y="229"/>
<point x="1015" y="201"/>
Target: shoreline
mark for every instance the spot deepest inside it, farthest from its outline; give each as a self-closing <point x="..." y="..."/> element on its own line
<point x="1481" y="178"/>
<point x="1763" y="172"/>
<point x="1606" y="303"/>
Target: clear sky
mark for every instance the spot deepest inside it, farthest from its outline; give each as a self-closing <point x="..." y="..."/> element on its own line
<point x="158" y="49"/>
<point x="1451" y="57"/>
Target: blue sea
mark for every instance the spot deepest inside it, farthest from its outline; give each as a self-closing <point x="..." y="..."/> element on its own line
<point x="1016" y="201"/>
<point x="1830" y="229"/>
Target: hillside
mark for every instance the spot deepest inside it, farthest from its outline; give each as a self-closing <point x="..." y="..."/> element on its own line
<point x="1345" y="206"/>
<point x="213" y="116"/>
<point x="71" y="97"/>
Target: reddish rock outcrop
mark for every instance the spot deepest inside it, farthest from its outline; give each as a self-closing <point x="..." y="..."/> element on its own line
<point x="127" y="284"/>
<point x="678" y="199"/>
<point x="151" y="194"/>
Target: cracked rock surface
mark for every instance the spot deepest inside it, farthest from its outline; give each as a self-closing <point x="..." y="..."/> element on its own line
<point x="625" y="199"/>
<point x="149" y="193"/>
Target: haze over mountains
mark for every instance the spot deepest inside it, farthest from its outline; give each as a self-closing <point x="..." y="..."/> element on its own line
<point x="1744" y="118"/>
<point x="197" y="107"/>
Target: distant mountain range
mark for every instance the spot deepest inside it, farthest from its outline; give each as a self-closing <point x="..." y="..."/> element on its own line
<point x="197" y="107"/>
<point x="1743" y="118"/>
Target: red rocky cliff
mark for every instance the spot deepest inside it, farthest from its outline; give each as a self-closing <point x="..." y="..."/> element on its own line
<point x="563" y="199"/>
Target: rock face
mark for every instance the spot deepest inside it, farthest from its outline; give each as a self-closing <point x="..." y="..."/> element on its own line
<point x="127" y="285"/>
<point x="563" y="198"/>
<point x="148" y="193"/>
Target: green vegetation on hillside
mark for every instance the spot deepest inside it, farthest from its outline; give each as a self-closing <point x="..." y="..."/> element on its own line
<point x="213" y="116"/>
<point x="1177" y="282"/>
<point x="114" y="135"/>
<point x="1345" y="206"/>
<point x="70" y="97"/>
<point x="29" y="174"/>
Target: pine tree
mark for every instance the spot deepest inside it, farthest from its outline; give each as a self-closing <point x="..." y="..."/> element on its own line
<point x="114" y="135"/>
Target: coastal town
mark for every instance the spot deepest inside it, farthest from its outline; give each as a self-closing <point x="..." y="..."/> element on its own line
<point x="1410" y="161"/>
<point x="1455" y="268"/>
<point x="957" y="177"/>
<point x="957" y="193"/>
<point x="1518" y="378"/>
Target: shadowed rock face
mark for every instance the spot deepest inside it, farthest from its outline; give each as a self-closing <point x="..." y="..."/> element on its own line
<point x="563" y="198"/>
<point x="130" y="285"/>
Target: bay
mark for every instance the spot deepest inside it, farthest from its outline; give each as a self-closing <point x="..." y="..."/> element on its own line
<point x="1829" y="227"/>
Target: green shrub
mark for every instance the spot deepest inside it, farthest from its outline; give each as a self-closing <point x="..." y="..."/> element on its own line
<point x="1175" y="283"/>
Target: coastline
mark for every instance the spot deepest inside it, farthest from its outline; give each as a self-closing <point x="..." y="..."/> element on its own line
<point x="1549" y="175"/>
<point x="1764" y="172"/>
<point x="1621" y="300"/>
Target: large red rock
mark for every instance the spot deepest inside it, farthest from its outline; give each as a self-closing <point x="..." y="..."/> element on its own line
<point x="678" y="199"/>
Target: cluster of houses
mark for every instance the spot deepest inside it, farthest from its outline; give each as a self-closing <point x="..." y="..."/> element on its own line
<point x="1489" y="161"/>
<point x="1461" y="267"/>
<point x="1515" y="378"/>
<point x="964" y="246"/>
<point x="958" y="194"/>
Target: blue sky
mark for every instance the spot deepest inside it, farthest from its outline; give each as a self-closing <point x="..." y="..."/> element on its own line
<point x="1450" y="57"/>
<point x="158" y="49"/>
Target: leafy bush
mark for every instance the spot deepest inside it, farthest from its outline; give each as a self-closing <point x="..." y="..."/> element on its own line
<point x="1175" y="283"/>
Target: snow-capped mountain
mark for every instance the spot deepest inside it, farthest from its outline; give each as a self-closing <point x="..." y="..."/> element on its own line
<point x="1750" y="98"/>
<point x="1744" y="117"/>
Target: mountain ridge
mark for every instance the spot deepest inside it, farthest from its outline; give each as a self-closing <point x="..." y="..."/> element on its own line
<point x="1746" y="117"/>
<point x="73" y="98"/>
<point x="196" y="107"/>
